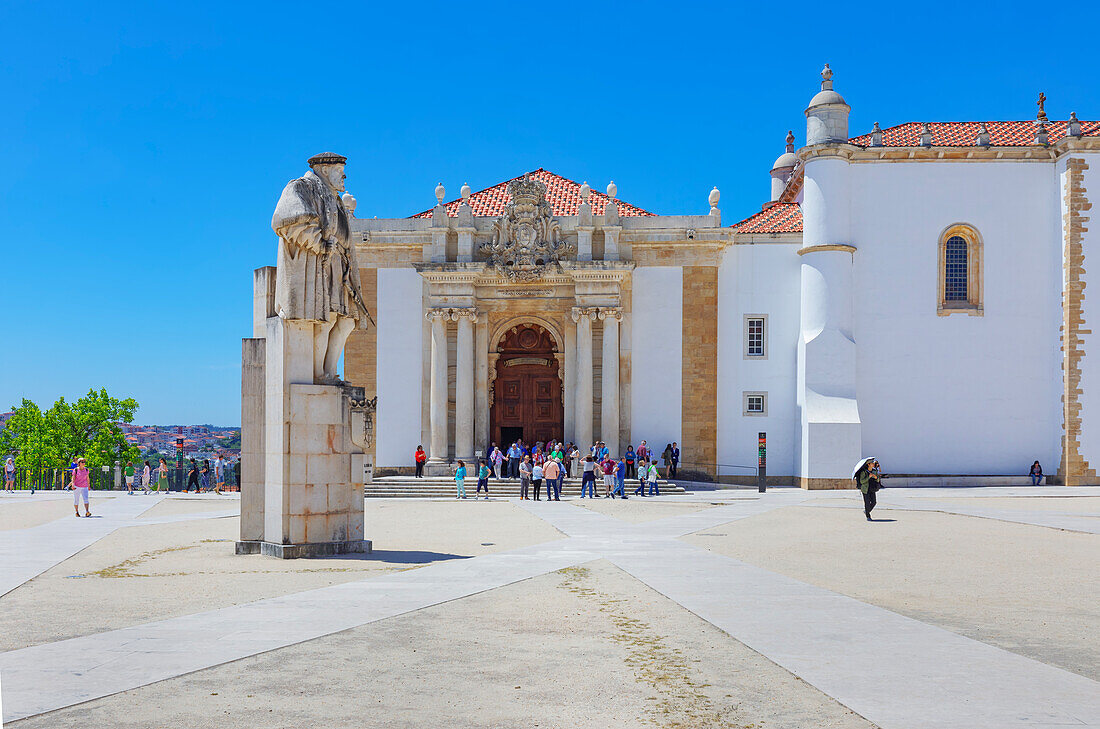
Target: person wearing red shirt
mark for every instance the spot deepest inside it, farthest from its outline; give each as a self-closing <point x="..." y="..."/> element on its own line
<point x="420" y="457"/>
<point x="608" y="467"/>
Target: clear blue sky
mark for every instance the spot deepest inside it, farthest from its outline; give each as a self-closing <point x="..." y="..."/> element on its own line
<point x="145" y="144"/>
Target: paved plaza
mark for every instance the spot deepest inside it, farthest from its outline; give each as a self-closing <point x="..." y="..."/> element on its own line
<point x="729" y="608"/>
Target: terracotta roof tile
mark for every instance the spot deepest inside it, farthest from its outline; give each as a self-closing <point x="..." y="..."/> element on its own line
<point x="964" y="134"/>
<point x="562" y="193"/>
<point x="778" y="218"/>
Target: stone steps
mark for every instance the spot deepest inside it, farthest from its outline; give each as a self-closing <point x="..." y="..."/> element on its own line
<point x="440" y="487"/>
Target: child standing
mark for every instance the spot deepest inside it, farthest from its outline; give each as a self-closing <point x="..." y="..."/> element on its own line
<point x="460" y="480"/>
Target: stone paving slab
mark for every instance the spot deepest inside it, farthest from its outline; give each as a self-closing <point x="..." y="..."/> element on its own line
<point x="1054" y="520"/>
<point x="54" y="675"/>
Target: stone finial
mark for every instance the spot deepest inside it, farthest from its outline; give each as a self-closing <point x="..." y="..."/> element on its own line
<point x="983" y="136"/>
<point x="925" y="135"/>
<point x="1073" y="126"/>
<point x="713" y="198"/>
<point x="349" y="203"/>
<point x="466" y="192"/>
<point x="826" y="78"/>
<point x="585" y="191"/>
<point x="440" y="192"/>
<point x="876" y="136"/>
<point x="1041" y="103"/>
<point x="790" y="140"/>
<point x="612" y="190"/>
<point x="1041" y="135"/>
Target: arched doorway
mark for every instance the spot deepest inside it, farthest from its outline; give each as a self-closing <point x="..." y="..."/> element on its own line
<point x="527" y="397"/>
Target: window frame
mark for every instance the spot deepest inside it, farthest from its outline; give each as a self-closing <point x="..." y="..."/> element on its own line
<point x="973" y="305"/>
<point x="745" y="337"/>
<point x="763" y="395"/>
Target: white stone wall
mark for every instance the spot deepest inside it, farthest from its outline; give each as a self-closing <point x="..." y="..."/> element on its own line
<point x="758" y="279"/>
<point x="957" y="394"/>
<point x="657" y="335"/>
<point x="400" y="366"/>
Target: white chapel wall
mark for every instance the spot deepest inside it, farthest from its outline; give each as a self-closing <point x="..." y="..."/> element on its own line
<point x="656" y="356"/>
<point x="400" y="353"/>
<point x="957" y="394"/>
<point x="758" y="280"/>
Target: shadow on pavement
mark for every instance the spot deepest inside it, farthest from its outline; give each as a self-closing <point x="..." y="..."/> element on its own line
<point x="404" y="557"/>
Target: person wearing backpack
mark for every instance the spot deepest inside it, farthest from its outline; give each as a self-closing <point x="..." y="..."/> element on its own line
<point x="652" y="478"/>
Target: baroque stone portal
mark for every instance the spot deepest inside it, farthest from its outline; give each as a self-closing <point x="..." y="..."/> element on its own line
<point x="526" y="239"/>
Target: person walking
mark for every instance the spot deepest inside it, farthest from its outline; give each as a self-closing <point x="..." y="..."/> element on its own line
<point x="9" y="474"/>
<point x="146" y="475"/>
<point x="868" y="485"/>
<point x="162" y="475"/>
<point x="204" y="476"/>
<point x="1036" y="474"/>
<point x="620" y="479"/>
<point x="460" y="480"/>
<point x="497" y="458"/>
<point x="652" y="475"/>
<point x="128" y="474"/>
<point x="642" y="473"/>
<point x="80" y="485"/>
<point x="552" y="473"/>
<point x="629" y="458"/>
<point x="525" y="471"/>
<point x="588" y="477"/>
<point x="219" y="474"/>
<point x="482" y="479"/>
<point x="608" y="467"/>
<point x="674" y="462"/>
<point x="420" y="458"/>
<point x="192" y="477"/>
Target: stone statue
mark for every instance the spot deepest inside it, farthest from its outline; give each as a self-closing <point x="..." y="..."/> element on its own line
<point x="317" y="277"/>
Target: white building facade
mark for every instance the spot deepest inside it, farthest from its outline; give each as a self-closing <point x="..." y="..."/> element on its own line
<point x="915" y="293"/>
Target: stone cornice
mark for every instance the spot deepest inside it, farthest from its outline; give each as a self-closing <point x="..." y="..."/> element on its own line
<point x="827" y="247"/>
<point x="1030" y="153"/>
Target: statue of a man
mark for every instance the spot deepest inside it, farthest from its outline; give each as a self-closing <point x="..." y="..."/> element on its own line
<point x="317" y="278"/>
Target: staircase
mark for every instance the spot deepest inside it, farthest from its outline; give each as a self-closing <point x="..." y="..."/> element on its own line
<point x="440" y="487"/>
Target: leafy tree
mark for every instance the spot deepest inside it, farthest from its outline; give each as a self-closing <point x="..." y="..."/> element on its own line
<point x="87" y="427"/>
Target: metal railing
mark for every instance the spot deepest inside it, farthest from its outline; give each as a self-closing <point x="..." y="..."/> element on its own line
<point x="40" y="479"/>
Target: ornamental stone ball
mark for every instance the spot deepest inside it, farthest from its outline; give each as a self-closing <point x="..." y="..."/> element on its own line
<point x="466" y="192"/>
<point x="349" y="203"/>
<point x="714" y="197"/>
<point x="440" y="193"/>
<point x="317" y="274"/>
<point x="585" y="191"/>
<point x="612" y="190"/>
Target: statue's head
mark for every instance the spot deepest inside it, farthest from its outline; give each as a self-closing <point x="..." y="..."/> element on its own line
<point x="329" y="167"/>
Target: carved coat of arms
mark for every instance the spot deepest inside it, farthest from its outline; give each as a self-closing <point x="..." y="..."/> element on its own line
<point x="526" y="239"/>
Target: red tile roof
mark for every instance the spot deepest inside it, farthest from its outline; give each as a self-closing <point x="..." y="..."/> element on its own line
<point x="563" y="194"/>
<point x="965" y="134"/>
<point x="778" y="218"/>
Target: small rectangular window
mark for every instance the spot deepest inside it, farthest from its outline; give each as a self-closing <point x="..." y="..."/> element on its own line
<point x="755" y="403"/>
<point x="756" y="336"/>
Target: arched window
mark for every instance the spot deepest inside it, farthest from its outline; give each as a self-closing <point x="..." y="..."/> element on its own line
<point x="960" y="271"/>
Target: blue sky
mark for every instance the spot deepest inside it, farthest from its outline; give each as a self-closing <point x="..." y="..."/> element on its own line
<point x="145" y="144"/>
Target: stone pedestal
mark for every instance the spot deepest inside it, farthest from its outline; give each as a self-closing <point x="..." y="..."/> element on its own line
<point x="313" y="455"/>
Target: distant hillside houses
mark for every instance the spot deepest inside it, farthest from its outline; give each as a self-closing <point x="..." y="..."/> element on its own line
<point x="194" y="441"/>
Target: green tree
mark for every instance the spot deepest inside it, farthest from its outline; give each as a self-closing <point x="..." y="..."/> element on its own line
<point x="89" y="428"/>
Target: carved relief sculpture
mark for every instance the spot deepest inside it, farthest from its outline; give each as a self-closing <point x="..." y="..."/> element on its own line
<point x="317" y="276"/>
<point x="526" y="239"/>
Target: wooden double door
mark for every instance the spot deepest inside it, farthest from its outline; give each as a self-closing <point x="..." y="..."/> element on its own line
<point x="527" y="403"/>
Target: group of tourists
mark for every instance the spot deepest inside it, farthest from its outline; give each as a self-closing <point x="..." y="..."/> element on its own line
<point x="548" y="464"/>
<point x="198" y="476"/>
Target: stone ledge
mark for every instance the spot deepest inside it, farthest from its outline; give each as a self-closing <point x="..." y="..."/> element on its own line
<point x="296" y="551"/>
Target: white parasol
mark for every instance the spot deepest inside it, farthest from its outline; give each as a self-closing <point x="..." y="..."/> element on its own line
<point x="861" y="464"/>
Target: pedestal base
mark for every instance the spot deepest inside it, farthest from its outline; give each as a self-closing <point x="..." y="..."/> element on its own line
<point x="442" y="468"/>
<point x="296" y="551"/>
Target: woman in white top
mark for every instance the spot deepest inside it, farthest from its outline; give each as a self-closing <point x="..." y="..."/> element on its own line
<point x="145" y="474"/>
<point x="9" y="474"/>
<point x="536" y="479"/>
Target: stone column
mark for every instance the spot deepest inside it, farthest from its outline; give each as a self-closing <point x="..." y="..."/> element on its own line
<point x="481" y="382"/>
<point x="464" y="385"/>
<point x="609" y="404"/>
<point x="437" y="410"/>
<point x="582" y="410"/>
